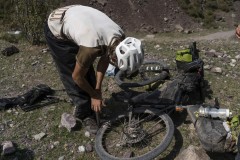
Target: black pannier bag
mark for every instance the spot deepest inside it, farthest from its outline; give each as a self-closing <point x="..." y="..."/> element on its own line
<point x="31" y="99"/>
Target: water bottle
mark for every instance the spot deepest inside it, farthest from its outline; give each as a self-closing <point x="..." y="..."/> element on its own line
<point x="214" y="112"/>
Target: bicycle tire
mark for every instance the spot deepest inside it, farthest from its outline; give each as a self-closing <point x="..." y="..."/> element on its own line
<point x="163" y="74"/>
<point x="104" y="155"/>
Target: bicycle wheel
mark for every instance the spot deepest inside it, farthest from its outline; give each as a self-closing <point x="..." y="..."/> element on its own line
<point x="144" y="136"/>
<point x="149" y="72"/>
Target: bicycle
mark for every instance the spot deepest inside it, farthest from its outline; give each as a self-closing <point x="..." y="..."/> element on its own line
<point x="145" y="130"/>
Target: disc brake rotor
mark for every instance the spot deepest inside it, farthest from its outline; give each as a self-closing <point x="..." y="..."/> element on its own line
<point x="133" y="133"/>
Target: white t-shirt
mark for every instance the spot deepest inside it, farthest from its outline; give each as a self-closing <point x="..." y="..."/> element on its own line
<point x="85" y="26"/>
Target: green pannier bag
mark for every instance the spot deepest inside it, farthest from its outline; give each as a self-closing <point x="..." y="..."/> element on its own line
<point x="184" y="55"/>
<point x="187" y="60"/>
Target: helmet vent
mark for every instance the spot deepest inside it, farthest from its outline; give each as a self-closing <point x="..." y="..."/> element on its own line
<point x="135" y="58"/>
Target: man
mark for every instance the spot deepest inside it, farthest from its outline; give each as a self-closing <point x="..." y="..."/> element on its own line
<point x="238" y="31"/>
<point x="77" y="35"/>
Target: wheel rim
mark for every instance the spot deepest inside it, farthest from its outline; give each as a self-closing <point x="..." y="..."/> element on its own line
<point x="144" y="133"/>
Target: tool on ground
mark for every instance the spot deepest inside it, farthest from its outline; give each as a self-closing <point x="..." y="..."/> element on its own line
<point x="98" y="119"/>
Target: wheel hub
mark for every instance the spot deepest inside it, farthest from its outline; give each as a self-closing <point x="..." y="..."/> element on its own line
<point x="133" y="133"/>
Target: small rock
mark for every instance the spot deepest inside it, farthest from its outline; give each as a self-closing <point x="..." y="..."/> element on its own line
<point x="8" y="148"/>
<point x="187" y="31"/>
<point x="56" y="143"/>
<point x="87" y="134"/>
<point x="207" y="67"/>
<point x="150" y="36"/>
<point x="233" y="60"/>
<point x="68" y="121"/>
<point x="219" y="18"/>
<point x="165" y="19"/>
<point x="212" y="50"/>
<point x="34" y="63"/>
<point x="219" y="54"/>
<point x="118" y="145"/>
<point x="237" y="57"/>
<point x="232" y="64"/>
<point x="81" y="149"/>
<point x="9" y="111"/>
<point x="227" y="60"/>
<point x="66" y="146"/>
<point x="179" y="28"/>
<point x="216" y="70"/>
<point x="2" y="127"/>
<point x="52" y="108"/>
<point x="89" y="147"/>
<point x="157" y="46"/>
<point x="193" y="153"/>
<point x="39" y="136"/>
<point x="225" y="55"/>
<point x="45" y="50"/>
<point x="102" y="2"/>
<point x="61" y="158"/>
<point x="51" y="146"/>
<point x="211" y="53"/>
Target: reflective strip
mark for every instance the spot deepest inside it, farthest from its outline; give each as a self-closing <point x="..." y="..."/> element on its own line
<point x="57" y="14"/>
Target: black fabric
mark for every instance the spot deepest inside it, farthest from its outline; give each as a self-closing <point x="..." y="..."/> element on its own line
<point x="28" y="100"/>
<point x="64" y="54"/>
<point x="238" y="148"/>
<point x="10" y="50"/>
<point x="190" y="66"/>
<point x="183" y="84"/>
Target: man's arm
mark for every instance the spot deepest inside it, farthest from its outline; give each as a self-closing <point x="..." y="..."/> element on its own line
<point x="101" y="69"/>
<point x="85" y="58"/>
<point x="78" y="76"/>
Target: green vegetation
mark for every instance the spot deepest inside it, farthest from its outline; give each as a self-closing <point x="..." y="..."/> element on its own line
<point x="29" y="14"/>
<point x="203" y="10"/>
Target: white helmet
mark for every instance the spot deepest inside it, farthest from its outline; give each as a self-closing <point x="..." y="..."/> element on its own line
<point x="130" y="54"/>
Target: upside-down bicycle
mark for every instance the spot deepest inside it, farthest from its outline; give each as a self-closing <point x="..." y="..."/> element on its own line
<point x="145" y="130"/>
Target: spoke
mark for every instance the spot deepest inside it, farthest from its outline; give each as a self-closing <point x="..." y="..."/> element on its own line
<point x="155" y="132"/>
<point x="146" y="144"/>
<point x="117" y="144"/>
<point x="149" y="129"/>
<point x="115" y="137"/>
<point x="145" y="119"/>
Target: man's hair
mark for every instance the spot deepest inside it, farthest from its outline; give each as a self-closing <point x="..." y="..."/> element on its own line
<point x="114" y="43"/>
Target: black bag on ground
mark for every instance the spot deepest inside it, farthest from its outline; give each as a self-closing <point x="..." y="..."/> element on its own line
<point x="172" y="93"/>
<point x="30" y="99"/>
<point x="10" y="50"/>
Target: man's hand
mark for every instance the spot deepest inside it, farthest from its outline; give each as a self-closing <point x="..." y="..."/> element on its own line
<point x="96" y="104"/>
